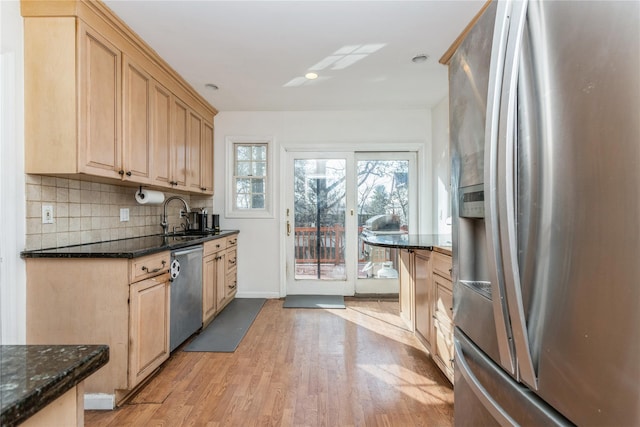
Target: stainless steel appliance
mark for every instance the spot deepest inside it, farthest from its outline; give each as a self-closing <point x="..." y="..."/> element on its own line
<point x="198" y="220"/>
<point x="186" y="294"/>
<point x="545" y="132"/>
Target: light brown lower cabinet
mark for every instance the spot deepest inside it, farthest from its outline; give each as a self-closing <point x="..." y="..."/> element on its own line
<point x="114" y="301"/>
<point x="228" y="287"/>
<point x="423" y="295"/>
<point x="213" y="272"/>
<point x="148" y="326"/>
<point x="442" y="332"/>
<point x="426" y="303"/>
<point x="406" y="277"/>
<point x="219" y="276"/>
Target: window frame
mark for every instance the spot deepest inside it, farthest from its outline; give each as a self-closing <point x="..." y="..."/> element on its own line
<point x="232" y="211"/>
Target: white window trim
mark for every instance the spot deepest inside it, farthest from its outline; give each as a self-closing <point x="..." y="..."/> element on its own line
<point x="231" y="211"/>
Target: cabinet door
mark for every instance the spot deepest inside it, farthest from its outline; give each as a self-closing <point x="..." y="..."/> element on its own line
<point x="136" y="124"/>
<point x="179" y="142"/>
<point x="148" y="327"/>
<point x="161" y="102"/>
<point x="100" y="96"/>
<point x="207" y="158"/>
<point x="442" y="335"/>
<point x="209" y="278"/>
<point x="406" y="288"/>
<point x="423" y="290"/>
<point x="194" y="155"/>
<point x="221" y="290"/>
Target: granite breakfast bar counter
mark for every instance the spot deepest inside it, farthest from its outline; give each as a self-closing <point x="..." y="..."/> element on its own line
<point x="43" y="384"/>
<point x="431" y="242"/>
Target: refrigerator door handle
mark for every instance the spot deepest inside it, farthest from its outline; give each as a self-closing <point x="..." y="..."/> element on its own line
<point x="500" y="314"/>
<point x="507" y="198"/>
<point x="479" y="391"/>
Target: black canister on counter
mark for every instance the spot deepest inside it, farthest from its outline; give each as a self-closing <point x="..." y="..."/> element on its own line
<point x="215" y="222"/>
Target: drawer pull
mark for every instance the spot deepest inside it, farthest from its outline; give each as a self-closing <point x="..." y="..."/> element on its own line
<point x="232" y="261"/>
<point x="233" y="242"/>
<point x="233" y="286"/>
<point x="155" y="270"/>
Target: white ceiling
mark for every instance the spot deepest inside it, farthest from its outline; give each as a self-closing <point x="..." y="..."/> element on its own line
<point x="255" y="50"/>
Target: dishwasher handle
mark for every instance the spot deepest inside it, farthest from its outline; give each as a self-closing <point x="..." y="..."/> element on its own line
<point x="187" y="251"/>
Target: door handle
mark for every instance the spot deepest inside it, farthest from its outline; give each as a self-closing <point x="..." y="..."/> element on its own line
<point x="288" y="228"/>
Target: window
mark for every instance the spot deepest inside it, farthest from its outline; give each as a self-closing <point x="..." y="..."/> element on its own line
<point x="250" y="186"/>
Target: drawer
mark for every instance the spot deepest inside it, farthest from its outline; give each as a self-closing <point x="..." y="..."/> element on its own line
<point x="213" y="246"/>
<point x="442" y="265"/>
<point x="149" y="266"/>
<point x="232" y="241"/>
<point x="443" y="301"/>
<point x="232" y="284"/>
<point x="232" y="259"/>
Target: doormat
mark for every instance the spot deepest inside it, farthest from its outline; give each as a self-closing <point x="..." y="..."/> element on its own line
<point x="314" y="301"/>
<point x="226" y="331"/>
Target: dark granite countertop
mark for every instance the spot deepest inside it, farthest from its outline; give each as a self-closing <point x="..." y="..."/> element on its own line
<point x="128" y="248"/>
<point x="32" y="376"/>
<point x="409" y="241"/>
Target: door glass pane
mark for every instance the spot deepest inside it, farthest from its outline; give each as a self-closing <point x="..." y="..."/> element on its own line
<point x="383" y="208"/>
<point x="319" y="218"/>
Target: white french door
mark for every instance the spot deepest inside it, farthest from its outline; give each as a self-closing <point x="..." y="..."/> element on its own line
<point x="319" y="222"/>
<point x="329" y="198"/>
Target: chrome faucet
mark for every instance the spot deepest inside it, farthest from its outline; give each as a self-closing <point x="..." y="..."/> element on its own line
<point x="164" y="223"/>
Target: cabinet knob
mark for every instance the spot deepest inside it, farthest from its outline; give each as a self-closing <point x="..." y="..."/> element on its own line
<point x="120" y="172"/>
<point x="203" y="188"/>
<point x="128" y="173"/>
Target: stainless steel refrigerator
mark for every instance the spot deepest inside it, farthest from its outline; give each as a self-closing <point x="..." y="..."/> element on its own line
<point x="545" y="147"/>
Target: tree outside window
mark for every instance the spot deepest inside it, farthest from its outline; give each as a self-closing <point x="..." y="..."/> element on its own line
<point x="250" y="176"/>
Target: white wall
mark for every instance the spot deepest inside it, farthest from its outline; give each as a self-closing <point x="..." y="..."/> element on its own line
<point x="441" y="167"/>
<point x="12" y="186"/>
<point x="260" y="252"/>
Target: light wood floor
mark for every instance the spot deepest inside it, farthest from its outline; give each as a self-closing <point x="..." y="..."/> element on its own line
<point x="299" y="367"/>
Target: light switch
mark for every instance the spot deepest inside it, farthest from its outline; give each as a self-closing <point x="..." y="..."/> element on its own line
<point x="124" y="214"/>
<point x="47" y="214"/>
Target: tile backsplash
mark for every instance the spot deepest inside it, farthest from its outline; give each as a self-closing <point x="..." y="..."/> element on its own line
<point x="86" y="212"/>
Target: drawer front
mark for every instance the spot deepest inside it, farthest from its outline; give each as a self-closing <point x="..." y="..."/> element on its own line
<point x="232" y="260"/>
<point x="442" y="264"/>
<point x="443" y="302"/>
<point x="149" y="266"/>
<point x="213" y="246"/>
<point x="231" y="284"/>
<point x="232" y="241"/>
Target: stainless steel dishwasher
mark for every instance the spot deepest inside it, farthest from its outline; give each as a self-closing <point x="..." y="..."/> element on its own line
<point x="186" y="294"/>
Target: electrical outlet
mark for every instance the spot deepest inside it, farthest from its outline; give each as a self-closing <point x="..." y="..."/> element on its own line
<point x="47" y="214"/>
<point x="124" y="214"/>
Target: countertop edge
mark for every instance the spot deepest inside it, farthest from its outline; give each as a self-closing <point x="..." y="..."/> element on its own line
<point x="40" y="253"/>
<point x="37" y="399"/>
<point x="430" y="243"/>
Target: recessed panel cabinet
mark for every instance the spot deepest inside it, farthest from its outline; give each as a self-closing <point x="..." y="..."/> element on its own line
<point x="137" y="86"/>
<point x="426" y="303"/>
<point x="100" y="143"/>
<point x="149" y="326"/>
<point x="115" y="301"/>
<point x="219" y="276"/>
<point x="96" y="103"/>
<point x="423" y="295"/>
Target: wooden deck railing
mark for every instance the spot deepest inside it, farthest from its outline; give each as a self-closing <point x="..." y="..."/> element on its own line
<point x="331" y="248"/>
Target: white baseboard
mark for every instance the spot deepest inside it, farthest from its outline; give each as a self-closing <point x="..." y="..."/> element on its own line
<point x="267" y="295"/>
<point x="99" y="401"/>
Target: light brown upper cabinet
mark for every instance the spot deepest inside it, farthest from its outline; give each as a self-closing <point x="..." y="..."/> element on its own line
<point x="207" y="157"/>
<point x="137" y="114"/>
<point x="100" y="103"/>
